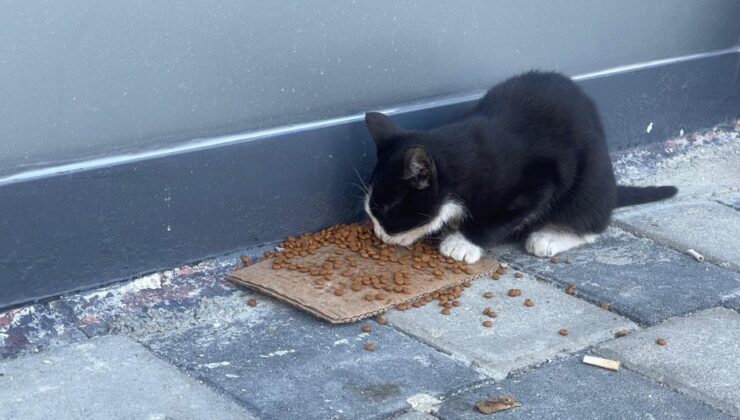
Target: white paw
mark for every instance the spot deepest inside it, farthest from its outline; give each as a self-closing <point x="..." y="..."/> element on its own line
<point x="549" y="242"/>
<point x="459" y="248"/>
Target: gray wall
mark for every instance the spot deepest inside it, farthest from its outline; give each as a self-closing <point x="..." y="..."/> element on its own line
<point x="81" y="79"/>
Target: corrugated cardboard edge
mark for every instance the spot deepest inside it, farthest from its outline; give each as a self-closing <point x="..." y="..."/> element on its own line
<point x="313" y="311"/>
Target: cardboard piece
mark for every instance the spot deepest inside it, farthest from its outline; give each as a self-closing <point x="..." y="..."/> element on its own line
<point x="299" y="290"/>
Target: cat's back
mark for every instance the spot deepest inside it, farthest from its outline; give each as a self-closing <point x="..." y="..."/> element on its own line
<point x="540" y="104"/>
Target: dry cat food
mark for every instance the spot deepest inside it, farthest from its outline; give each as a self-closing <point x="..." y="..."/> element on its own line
<point x="489" y="312"/>
<point x="367" y="328"/>
<point x="246" y="261"/>
<point x="487" y="324"/>
<point x="571" y="290"/>
<point x="555" y="260"/>
<point x="563" y="331"/>
<point x="488" y="295"/>
<point x="622" y="333"/>
<point x="661" y="342"/>
<point x="252" y="302"/>
<point x="528" y="302"/>
<point x="518" y="274"/>
<point x="604" y="306"/>
<point x="493" y="405"/>
<point x="514" y="292"/>
<point x="370" y="347"/>
<point x="339" y="274"/>
<point x="381" y="320"/>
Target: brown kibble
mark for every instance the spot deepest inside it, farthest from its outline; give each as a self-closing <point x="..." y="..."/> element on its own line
<point x="496" y="276"/>
<point x="417" y="266"/>
<point x="661" y="342"/>
<point x="318" y="282"/>
<point x="380" y="320"/>
<point x="252" y="302"/>
<point x="369" y="297"/>
<point x="571" y="290"/>
<point x="468" y="270"/>
<point x="604" y="306"/>
<point x="380" y="296"/>
<point x="518" y="275"/>
<point x="338" y="291"/>
<point x="367" y="328"/>
<point x="488" y="295"/>
<point x="456" y="303"/>
<point x="446" y="311"/>
<point x="491" y="314"/>
<point x="370" y="347"/>
<point x="555" y="260"/>
<point x="356" y="287"/>
<point x="563" y="331"/>
<point x="528" y="302"/>
<point x="487" y="324"/>
<point x="466" y="284"/>
<point x="622" y="333"/>
<point x="246" y="261"/>
<point x="514" y="292"/>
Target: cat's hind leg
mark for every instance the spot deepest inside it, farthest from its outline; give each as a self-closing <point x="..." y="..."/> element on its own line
<point x="457" y="246"/>
<point x="551" y="240"/>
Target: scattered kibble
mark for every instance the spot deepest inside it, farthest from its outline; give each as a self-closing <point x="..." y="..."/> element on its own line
<point x="487" y="324"/>
<point x="446" y="311"/>
<point x="338" y="291"/>
<point x="571" y="290"/>
<point x="456" y="303"/>
<point x="380" y="320"/>
<point x="529" y="302"/>
<point x="563" y="331"/>
<point x="252" y="302"/>
<point x="555" y="260"/>
<point x="370" y="347"/>
<point x="367" y="328"/>
<point x="514" y="292"/>
<point x="622" y="333"/>
<point x="604" y="306"/>
<point x="518" y="275"/>
<point x="661" y="342"/>
<point x="488" y="295"/>
<point x="246" y="261"/>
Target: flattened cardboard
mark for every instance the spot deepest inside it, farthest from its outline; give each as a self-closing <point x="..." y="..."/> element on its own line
<point x="299" y="290"/>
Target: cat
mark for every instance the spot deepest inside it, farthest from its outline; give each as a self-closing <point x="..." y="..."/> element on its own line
<point x="529" y="160"/>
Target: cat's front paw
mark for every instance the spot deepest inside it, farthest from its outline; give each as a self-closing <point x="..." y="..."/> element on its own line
<point x="461" y="249"/>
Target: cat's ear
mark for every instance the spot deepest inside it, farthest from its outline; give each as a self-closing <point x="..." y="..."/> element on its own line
<point x="381" y="128"/>
<point x="418" y="167"/>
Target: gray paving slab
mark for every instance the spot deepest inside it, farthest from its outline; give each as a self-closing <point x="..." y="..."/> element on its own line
<point x="282" y="363"/>
<point x="730" y="200"/>
<point x="107" y="378"/>
<point x="732" y="302"/>
<point x="572" y="390"/>
<point x="521" y="336"/>
<point x="636" y="277"/>
<point x="710" y="228"/>
<point x="415" y="415"/>
<point x="701" y="357"/>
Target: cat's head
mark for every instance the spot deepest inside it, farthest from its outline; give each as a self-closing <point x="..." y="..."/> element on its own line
<point x="403" y="202"/>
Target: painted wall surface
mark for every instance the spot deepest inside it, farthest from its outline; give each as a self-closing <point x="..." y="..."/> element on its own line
<point x="87" y="79"/>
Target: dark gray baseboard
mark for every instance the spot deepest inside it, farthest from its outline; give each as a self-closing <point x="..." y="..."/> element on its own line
<point x="88" y="225"/>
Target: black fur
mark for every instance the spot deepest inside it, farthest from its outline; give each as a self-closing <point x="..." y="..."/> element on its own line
<point x="531" y="153"/>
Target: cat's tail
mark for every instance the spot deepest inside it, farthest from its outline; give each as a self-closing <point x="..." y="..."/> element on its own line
<point x="630" y="196"/>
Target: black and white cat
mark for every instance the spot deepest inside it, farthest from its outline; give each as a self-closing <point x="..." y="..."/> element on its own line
<point x="529" y="160"/>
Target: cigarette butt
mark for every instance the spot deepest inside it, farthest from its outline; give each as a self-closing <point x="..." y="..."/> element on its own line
<point x="695" y="254"/>
<point x="602" y="363"/>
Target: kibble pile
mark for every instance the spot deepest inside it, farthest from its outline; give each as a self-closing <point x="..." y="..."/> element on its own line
<point x="356" y="241"/>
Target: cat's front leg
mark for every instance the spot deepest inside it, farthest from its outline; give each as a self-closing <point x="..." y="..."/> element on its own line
<point x="457" y="246"/>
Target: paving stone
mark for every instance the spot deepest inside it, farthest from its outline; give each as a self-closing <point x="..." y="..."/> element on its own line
<point x="415" y="415"/>
<point x="732" y="302"/>
<point x="35" y="327"/>
<point x="710" y="228"/>
<point x="521" y="336"/>
<point x="282" y="363"/>
<point x="729" y="199"/>
<point x="636" y="277"/>
<point x="106" y="378"/>
<point x="572" y="390"/>
<point x="700" y="358"/>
